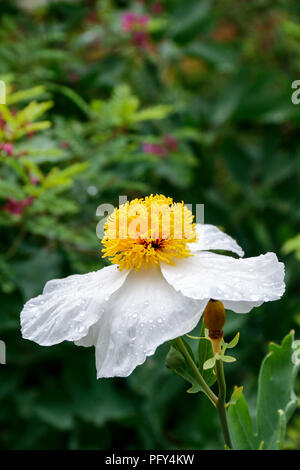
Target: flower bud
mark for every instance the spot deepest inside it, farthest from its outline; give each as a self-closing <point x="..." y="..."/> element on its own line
<point x="214" y="318"/>
<point x="174" y="359"/>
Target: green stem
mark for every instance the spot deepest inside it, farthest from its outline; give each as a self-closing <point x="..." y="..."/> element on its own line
<point x="208" y="392"/>
<point x="221" y="402"/>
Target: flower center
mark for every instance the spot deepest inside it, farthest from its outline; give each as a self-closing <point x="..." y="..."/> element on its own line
<point x="144" y="232"/>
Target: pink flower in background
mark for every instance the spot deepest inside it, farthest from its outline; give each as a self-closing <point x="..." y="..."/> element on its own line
<point x="16" y="207"/>
<point x="128" y="20"/>
<point x="34" y="180"/>
<point x="154" y="149"/>
<point x="170" y="142"/>
<point x="137" y="26"/>
<point x="140" y="39"/>
<point x="143" y="20"/>
<point x="131" y="21"/>
<point x="7" y="148"/>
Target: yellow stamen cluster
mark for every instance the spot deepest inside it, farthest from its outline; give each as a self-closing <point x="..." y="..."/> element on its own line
<point x="144" y="232"/>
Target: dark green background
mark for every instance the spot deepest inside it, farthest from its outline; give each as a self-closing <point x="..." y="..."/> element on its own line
<point x="226" y="68"/>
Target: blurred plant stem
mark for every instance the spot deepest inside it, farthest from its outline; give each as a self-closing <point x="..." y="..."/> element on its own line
<point x="218" y="402"/>
<point x="208" y="392"/>
<point x="221" y="402"/>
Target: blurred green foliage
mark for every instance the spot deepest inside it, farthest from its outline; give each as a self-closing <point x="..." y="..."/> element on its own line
<point x="197" y="107"/>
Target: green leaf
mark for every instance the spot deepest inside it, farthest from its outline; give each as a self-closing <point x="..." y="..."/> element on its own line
<point x="238" y="391"/>
<point x="155" y="112"/>
<point x="188" y="347"/>
<point x="174" y="359"/>
<point x="221" y="56"/>
<point x="182" y="368"/>
<point x="209" y="363"/>
<point x="56" y="413"/>
<point x="233" y="342"/>
<point x="276" y="398"/>
<point x="228" y="102"/>
<point x="25" y="95"/>
<point x="10" y="189"/>
<point x="186" y="21"/>
<point x="194" y="389"/>
<point x="205" y="353"/>
<point x="228" y="358"/>
<point x="292" y="244"/>
<point x="72" y="96"/>
<point x="32" y="112"/>
<point x="31" y="275"/>
<point x="63" y="177"/>
<point x="240" y="424"/>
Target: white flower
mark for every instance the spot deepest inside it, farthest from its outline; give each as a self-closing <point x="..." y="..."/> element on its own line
<point x="127" y="312"/>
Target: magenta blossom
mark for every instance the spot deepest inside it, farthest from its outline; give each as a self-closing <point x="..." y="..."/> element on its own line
<point x="34" y="180"/>
<point x="7" y="148"/>
<point x="132" y="22"/>
<point x="15" y="207"/>
<point x="154" y="149"/>
<point x="128" y="21"/>
<point x="140" y="39"/>
<point x="136" y="25"/>
<point x="170" y="142"/>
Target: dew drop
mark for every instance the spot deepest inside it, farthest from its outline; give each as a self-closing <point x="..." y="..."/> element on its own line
<point x="132" y="333"/>
<point x="82" y="314"/>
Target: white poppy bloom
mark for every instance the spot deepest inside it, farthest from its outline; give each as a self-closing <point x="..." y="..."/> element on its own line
<point x="156" y="290"/>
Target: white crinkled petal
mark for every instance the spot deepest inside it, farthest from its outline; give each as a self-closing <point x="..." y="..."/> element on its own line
<point x="143" y="314"/>
<point x="241" y="306"/>
<point x="68" y="307"/>
<point x="209" y="275"/>
<point x="91" y="337"/>
<point x="210" y="237"/>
